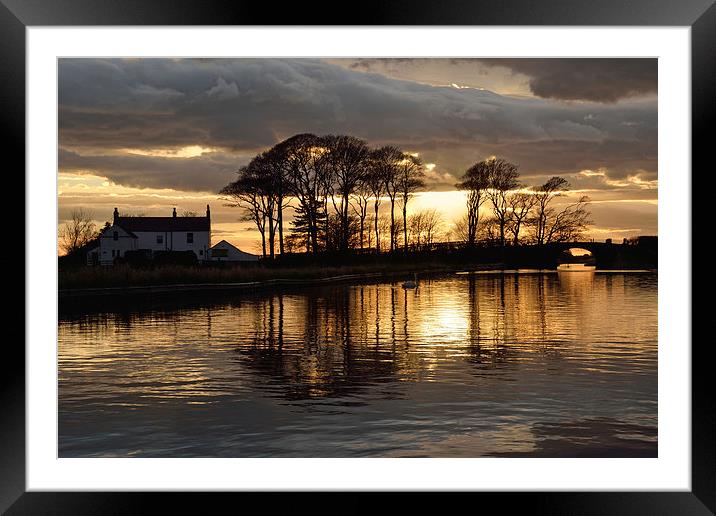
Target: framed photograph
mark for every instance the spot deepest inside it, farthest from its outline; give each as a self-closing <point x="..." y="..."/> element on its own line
<point x="425" y="249"/>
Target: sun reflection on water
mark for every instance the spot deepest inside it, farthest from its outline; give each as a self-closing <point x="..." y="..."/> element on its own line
<point x="401" y="370"/>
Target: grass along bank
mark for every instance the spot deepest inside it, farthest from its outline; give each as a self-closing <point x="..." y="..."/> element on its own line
<point x="125" y="276"/>
<point x="308" y="267"/>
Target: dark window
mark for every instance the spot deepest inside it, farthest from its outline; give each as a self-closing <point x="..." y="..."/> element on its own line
<point x="190" y="238"/>
<point x="115" y="235"/>
<point x="160" y="239"/>
<point x="201" y="252"/>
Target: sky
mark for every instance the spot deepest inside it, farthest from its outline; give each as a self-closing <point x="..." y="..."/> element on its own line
<point x="146" y="135"/>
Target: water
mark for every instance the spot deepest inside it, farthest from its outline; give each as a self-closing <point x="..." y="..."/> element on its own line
<point x="467" y="365"/>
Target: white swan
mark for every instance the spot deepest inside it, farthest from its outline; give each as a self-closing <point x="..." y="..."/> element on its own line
<point x="411" y="284"/>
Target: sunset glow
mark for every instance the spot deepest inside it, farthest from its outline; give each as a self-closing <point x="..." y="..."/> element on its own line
<point x="392" y="257"/>
<point x="151" y="140"/>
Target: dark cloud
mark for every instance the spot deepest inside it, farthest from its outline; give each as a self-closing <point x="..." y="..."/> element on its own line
<point x="240" y="106"/>
<point x="639" y="216"/>
<point x="206" y="173"/>
<point x="594" y="79"/>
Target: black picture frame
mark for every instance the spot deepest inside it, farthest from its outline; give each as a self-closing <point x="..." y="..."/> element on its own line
<point x="17" y="15"/>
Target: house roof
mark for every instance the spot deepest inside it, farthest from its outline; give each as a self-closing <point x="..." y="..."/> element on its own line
<point x="161" y="224"/>
<point x="106" y="230"/>
<point x="230" y="245"/>
<point x="227" y="243"/>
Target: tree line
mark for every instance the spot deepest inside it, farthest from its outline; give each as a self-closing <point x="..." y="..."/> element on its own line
<point x="335" y="180"/>
<point x="517" y="213"/>
<point x="335" y="185"/>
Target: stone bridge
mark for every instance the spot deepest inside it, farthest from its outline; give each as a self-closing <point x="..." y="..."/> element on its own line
<point x="606" y="254"/>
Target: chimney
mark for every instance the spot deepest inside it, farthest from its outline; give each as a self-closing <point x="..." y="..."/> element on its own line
<point x="208" y="212"/>
<point x="116" y="215"/>
<point x="174" y="213"/>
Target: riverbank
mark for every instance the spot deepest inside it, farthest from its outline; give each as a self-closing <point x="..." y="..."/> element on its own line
<point x="124" y="281"/>
<point x="81" y="282"/>
<point x="179" y="291"/>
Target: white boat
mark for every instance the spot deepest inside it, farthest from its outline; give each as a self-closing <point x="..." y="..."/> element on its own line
<point x="576" y="259"/>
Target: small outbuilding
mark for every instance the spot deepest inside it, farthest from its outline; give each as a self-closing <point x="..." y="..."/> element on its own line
<point x="225" y="252"/>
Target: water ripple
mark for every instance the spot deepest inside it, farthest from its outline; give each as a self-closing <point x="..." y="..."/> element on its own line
<point x="466" y="365"/>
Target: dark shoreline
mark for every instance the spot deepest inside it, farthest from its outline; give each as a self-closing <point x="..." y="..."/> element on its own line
<point x="299" y="269"/>
<point x="89" y="289"/>
<point x="307" y="282"/>
<point x="75" y="293"/>
<point x="77" y="302"/>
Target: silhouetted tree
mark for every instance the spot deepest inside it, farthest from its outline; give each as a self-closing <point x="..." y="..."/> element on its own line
<point x="296" y="242"/>
<point x="301" y="229"/>
<point x="424" y="227"/>
<point x="379" y="174"/>
<point x="78" y="231"/>
<point x="386" y="165"/>
<point x="374" y="181"/>
<point x="410" y="179"/>
<point x="459" y="231"/>
<point x="503" y="179"/>
<point x="384" y="223"/>
<point x="362" y="196"/>
<point x="276" y="159"/>
<point x="332" y="238"/>
<point x="398" y="224"/>
<point x="489" y="231"/>
<point x="544" y="194"/>
<point x="251" y="193"/>
<point x="521" y="204"/>
<point x="303" y="159"/>
<point x="569" y="224"/>
<point x="476" y="180"/>
<point x="369" y="234"/>
<point x="347" y="158"/>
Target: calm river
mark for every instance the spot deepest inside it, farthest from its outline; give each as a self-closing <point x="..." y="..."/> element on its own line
<point x="466" y="365"/>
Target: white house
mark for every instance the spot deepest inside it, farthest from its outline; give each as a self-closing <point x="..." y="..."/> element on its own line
<point x="226" y="252"/>
<point x="153" y="234"/>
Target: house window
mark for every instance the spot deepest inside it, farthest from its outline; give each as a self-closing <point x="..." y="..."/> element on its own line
<point x="190" y="238"/>
<point x="115" y="236"/>
<point x="201" y="252"/>
<point x="160" y="239"/>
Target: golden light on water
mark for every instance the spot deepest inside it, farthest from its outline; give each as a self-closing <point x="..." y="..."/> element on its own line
<point x="420" y="331"/>
<point x="466" y="365"/>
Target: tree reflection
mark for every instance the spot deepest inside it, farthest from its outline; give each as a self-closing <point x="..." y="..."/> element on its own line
<point x="339" y="341"/>
<point x="328" y="359"/>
